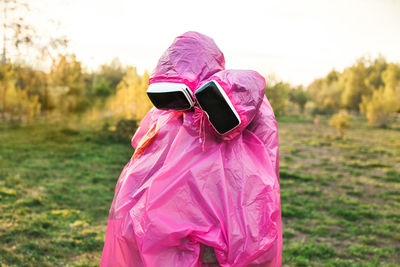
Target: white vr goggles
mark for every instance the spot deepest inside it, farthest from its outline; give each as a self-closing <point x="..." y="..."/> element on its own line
<point x="176" y="96"/>
<point x="211" y="98"/>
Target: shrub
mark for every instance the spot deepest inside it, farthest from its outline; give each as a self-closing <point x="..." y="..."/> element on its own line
<point x="126" y="128"/>
<point x="278" y="97"/>
<point x="121" y="132"/>
<point x="341" y="122"/>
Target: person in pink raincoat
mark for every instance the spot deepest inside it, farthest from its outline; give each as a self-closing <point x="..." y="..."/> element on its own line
<point x="187" y="186"/>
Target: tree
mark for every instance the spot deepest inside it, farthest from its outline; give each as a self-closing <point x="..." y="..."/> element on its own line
<point x="6" y="82"/>
<point x="375" y="69"/>
<point x="22" y="40"/>
<point x="20" y="105"/>
<point x="22" y="37"/>
<point x="298" y="96"/>
<point x="391" y="80"/>
<point x="34" y="82"/>
<point x="326" y="93"/>
<point x="130" y="100"/>
<point x="380" y="108"/>
<point x="278" y="96"/>
<point x="106" y="79"/>
<point x="66" y="90"/>
<point x="384" y="102"/>
<point x="353" y="87"/>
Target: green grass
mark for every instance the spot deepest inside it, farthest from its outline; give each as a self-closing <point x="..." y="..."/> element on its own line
<point x="340" y="197"/>
<point x="56" y="187"/>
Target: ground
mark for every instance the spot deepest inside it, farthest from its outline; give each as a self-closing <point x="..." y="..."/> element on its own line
<point x="340" y="197"/>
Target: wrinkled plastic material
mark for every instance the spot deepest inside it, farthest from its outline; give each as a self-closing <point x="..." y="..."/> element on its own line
<point x="192" y="58"/>
<point x="186" y="186"/>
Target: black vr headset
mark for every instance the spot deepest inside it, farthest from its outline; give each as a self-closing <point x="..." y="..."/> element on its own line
<point x="176" y="96"/>
<point x="211" y="98"/>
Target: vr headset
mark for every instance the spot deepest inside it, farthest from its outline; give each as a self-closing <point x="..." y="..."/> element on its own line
<point x="216" y="104"/>
<point x="176" y="96"/>
<point x="211" y="98"/>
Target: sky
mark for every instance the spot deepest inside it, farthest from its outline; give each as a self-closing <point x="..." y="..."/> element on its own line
<point x="295" y="41"/>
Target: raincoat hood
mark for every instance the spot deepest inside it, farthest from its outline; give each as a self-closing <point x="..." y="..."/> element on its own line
<point x="192" y="58"/>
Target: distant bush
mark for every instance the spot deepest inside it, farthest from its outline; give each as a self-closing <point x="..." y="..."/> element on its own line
<point x="278" y="96"/>
<point x="298" y="96"/>
<point x="126" y="128"/>
<point x="341" y="122"/>
<point x="122" y="132"/>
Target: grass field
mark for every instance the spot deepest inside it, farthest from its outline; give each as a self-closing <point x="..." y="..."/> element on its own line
<point x="340" y="197"/>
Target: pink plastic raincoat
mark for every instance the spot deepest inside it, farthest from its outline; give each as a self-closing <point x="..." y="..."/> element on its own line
<point x="186" y="186"/>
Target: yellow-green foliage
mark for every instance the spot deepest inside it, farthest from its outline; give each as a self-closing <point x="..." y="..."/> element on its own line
<point x="348" y="88"/>
<point x="15" y="102"/>
<point x="298" y="96"/>
<point x="66" y="71"/>
<point x="326" y="93"/>
<point x="380" y="108"/>
<point x="278" y="96"/>
<point x="341" y="122"/>
<point x="130" y="101"/>
<point x="391" y="78"/>
<point x="353" y="85"/>
<point x="65" y="92"/>
<point x="114" y="92"/>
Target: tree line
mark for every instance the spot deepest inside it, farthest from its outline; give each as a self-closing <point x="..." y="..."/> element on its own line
<point x="114" y="92"/>
<point x="370" y="87"/>
<point x="67" y="89"/>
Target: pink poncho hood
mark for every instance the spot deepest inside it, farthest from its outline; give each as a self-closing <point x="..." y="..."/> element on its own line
<point x="192" y="58"/>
